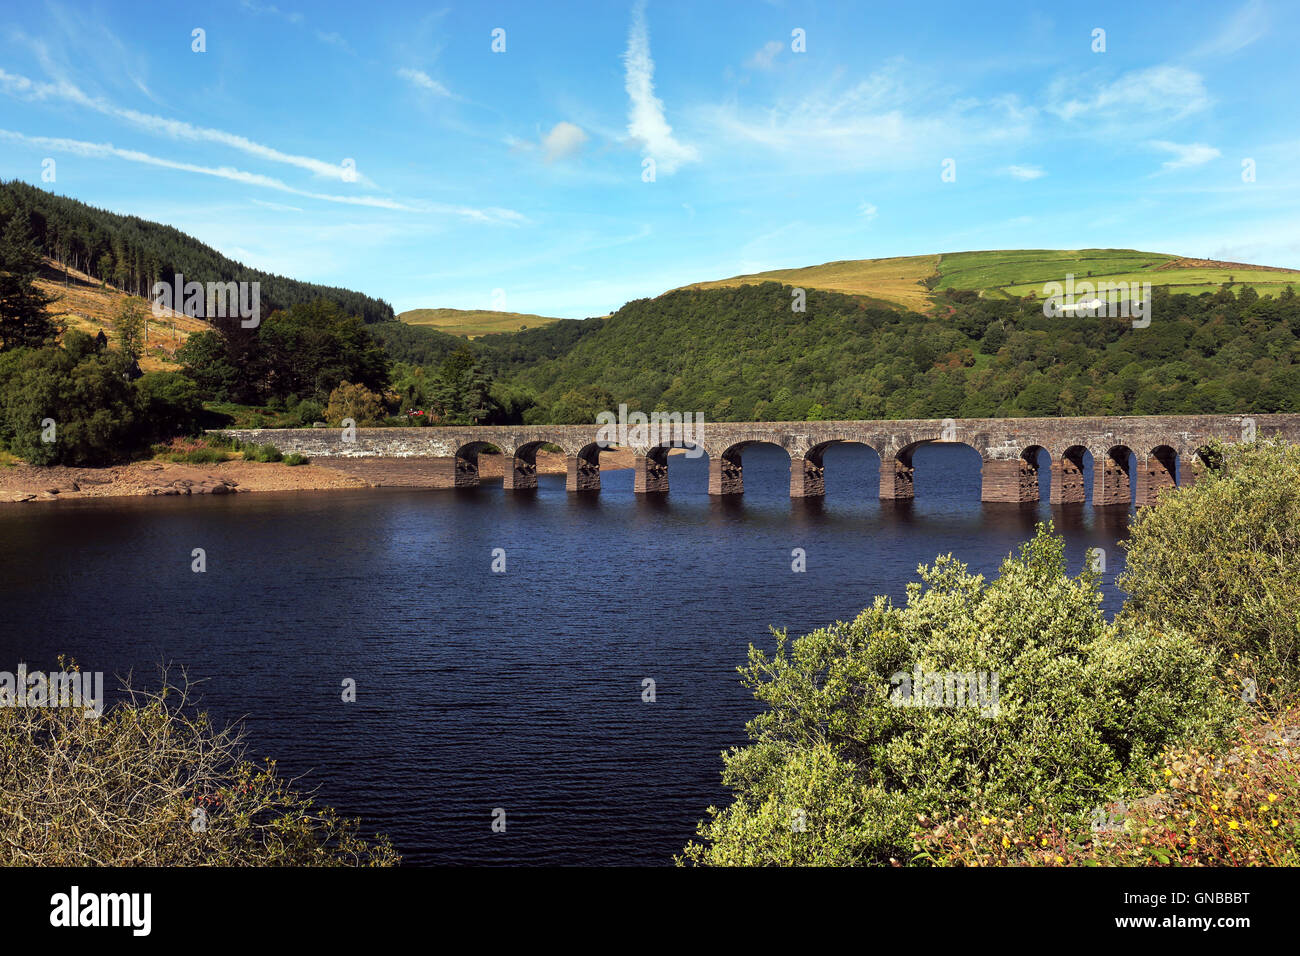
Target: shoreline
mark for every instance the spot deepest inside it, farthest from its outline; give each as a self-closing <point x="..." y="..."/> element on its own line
<point x="24" y="483"/>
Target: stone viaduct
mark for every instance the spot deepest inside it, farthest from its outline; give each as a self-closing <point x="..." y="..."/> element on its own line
<point x="447" y="457"/>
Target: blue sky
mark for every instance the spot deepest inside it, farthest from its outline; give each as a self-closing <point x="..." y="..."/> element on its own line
<point x="486" y="179"/>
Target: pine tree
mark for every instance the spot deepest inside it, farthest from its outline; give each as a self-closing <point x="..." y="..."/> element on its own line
<point x="23" y="319"/>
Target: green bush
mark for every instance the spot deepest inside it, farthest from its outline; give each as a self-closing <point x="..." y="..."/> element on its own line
<point x="255" y="452"/>
<point x="837" y="771"/>
<point x="1220" y="560"/>
<point x="293" y="458"/>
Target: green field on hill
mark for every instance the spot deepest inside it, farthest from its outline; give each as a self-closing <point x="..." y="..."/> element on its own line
<point x="472" y="322"/>
<point x="912" y="281"/>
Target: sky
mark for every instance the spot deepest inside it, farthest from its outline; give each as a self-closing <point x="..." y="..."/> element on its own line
<point x="606" y="151"/>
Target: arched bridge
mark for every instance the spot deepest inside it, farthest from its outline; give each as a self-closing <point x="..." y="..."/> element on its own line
<point x="1166" y="450"/>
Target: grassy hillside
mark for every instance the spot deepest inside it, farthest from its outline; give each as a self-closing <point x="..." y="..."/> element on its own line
<point x="473" y="322"/>
<point x="88" y="305"/>
<point x="912" y="281"/>
<point x="897" y="281"/>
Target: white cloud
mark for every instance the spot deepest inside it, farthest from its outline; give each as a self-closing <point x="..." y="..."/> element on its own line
<point x="1170" y="90"/>
<point x="423" y="81"/>
<point x="867" y="211"/>
<point x="563" y="140"/>
<point x="893" y="118"/>
<point x="1185" y="154"/>
<point x="1026" y="172"/>
<point x="765" y="57"/>
<point x="22" y="87"/>
<point x="1243" y="28"/>
<point x="646" y="122"/>
<point x="109" y="151"/>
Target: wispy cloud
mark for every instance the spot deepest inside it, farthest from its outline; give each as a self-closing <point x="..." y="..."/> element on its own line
<point x="1026" y="172"/>
<point x="423" y="81"/>
<point x="1171" y="91"/>
<point x="646" y="121"/>
<point x="1246" y="25"/>
<point x="765" y="57"/>
<point x="867" y="211"/>
<point x="893" y="118"/>
<point x="1185" y="154"/>
<point x="23" y="87"/>
<point x="109" y="151"/>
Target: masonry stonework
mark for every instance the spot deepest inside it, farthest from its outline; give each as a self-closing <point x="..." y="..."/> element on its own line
<point x="1163" y="446"/>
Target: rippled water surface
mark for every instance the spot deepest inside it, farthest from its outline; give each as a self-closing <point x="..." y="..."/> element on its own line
<point x="479" y="690"/>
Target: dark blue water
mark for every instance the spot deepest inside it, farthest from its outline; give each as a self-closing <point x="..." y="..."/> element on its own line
<point x="476" y="690"/>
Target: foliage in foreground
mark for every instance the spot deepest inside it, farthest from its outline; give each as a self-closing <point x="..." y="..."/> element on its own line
<point x="1208" y="808"/>
<point x="837" y="772"/>
<point x="1219" y="560"/>
<point x="150" y="783"/>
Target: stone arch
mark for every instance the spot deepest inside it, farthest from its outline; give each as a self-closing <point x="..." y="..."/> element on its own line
<point x="726" y="468"/>
<point x="1069" y="486"/>
<point x="810" y="478"/>
<point x="1009" y="475"/>
<point x="650" y="465"/>
<point x="896" y="466"/>
<point x="521" y="463"/>
<point x="1111" y="472"/>
<point x="466" y="462"/>
<point x="1157" y="471"/>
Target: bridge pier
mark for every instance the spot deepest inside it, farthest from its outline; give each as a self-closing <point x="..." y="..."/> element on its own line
<point x="650" y="472"/>
<point x="582" y="474"/>
<point x="1068" y="486"/>
<point x="807" y="478"/>
<point x="1010" y="480"/>
<point x="520" y="474"/>
<point x="1110" y="482"/>
<point x="895" y="478"/>
<point x="466" y="473"/>
<point x="726" y="477"/>
<point x="1155" y="474"/>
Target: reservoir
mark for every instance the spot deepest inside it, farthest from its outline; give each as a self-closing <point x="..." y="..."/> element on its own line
<point x="478" y="690"/>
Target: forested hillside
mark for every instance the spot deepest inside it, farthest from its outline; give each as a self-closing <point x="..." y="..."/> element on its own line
<point x="739" y="354"/>
<point x="133" y="253"/>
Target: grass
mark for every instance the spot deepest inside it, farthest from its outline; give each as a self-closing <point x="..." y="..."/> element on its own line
<point x="191" y="451"/>
<point x="897" y="281"/>
<point x="473" y="322"/>
<point x="85" y="304"/>
<point x="907" y="281"/>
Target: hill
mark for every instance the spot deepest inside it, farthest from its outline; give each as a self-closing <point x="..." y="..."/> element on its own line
<point x="741" y="354"/>
<point x="469" y="323"/>
<point x="134" y="253"/>
<point x="84" y="303"/>
<point x="913" y="282"/>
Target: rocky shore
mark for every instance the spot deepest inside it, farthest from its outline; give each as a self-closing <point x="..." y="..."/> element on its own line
<point x="22" y="483"/>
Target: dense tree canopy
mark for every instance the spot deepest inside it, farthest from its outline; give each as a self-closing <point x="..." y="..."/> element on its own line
<point x="133" y="253"/>
<point x="742" y="354"/>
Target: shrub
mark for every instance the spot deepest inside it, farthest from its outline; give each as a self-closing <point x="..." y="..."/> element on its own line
<point x="1218" y="560"/>
<point x="309" y="411"/>
<point x="293" y="458"/>
<point x="151" y="783"/>
<point x="255" y="452"/>
<point x="355" y="402"/>
<point x="1222" y="808"/>
<point x="1082" y="708"/>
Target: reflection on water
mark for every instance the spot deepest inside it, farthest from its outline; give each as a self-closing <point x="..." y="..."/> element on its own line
<point x="478" y="690"/>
